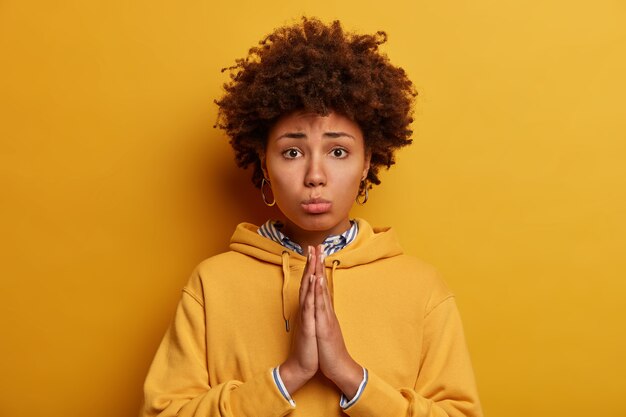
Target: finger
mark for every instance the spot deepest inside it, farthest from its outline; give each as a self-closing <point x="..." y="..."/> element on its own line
<point x="307" y="303"/>
<point x="320" y="270"/>
<point x="323" y="323"/>
<point x="310" y="293"/>
<point x="308" y="307"/>
<point x="311" y="257"/>
<point x="320" y="302"/>
<point x="309" y="267"/>
<point x="326" y="296"/>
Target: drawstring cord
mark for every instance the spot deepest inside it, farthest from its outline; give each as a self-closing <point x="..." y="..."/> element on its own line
<point x="331" y="281"/>
<point x="286" y="278"/>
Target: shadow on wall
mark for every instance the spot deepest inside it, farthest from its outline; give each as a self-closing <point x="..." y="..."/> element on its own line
<point x="233" y="196"/>
<point x="216" y="194"/>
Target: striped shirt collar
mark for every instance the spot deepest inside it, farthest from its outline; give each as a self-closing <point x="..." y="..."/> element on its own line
<point x="271" y="229"/>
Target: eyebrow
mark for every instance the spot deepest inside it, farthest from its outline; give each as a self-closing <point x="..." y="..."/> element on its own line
<point x="301" y="135"/>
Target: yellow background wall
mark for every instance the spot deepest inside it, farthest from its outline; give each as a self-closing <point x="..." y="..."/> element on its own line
<point x="114" y="184"/>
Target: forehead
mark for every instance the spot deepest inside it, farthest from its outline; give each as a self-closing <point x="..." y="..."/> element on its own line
<point x="309" y="122"/>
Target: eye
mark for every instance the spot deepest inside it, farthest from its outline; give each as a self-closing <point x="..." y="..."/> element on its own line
<point x="339" y="153"/>
<point x="291" y="153"/>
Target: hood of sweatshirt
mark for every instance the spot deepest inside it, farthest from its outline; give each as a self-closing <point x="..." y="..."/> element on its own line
<point x="371" y="244"/>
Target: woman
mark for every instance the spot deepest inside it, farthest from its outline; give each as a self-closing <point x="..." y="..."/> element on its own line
<point x="317" y="314"/>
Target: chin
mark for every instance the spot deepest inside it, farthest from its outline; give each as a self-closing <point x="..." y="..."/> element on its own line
<point x="316" y="222"/>
<point x="313" y="223"/>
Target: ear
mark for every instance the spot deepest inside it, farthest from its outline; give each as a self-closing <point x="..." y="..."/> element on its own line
<point x="366" y="165"/>
<point x="263" y="164"/>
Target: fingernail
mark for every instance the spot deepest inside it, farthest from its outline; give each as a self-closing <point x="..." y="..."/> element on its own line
<point x="323" y="258"/>
<point x="311" y="278"/>
<point x="322" y="281"/>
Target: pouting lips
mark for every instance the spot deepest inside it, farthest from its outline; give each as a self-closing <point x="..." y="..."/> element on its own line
<point x="316" y="206"/>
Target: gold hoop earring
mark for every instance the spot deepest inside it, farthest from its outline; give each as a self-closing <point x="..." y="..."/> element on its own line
<point x="363" y="195"/>
<point x="263" y="193"/>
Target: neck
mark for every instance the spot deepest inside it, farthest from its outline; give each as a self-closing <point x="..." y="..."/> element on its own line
<point x="306" y="238"/>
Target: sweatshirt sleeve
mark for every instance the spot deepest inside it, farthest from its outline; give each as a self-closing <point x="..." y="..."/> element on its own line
<point x="177" y="382"/>
<point x="445" y="386"/>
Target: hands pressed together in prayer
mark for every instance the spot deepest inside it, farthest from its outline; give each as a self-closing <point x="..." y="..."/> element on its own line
<point x="318" y="343"/>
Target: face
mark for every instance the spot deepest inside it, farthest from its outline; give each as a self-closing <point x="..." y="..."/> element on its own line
<point x="315" y="165"/>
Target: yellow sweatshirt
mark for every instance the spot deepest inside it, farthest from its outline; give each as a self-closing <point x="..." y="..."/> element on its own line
<point x="398" y="319"/>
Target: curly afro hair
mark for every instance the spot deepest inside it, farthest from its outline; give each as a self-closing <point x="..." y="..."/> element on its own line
<point x="319" y="68"/>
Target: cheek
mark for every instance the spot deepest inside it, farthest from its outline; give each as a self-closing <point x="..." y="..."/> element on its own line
<point x="347" y="185"/>
<point x="276" y="171"/>
<point x="350" y="183"/>
<point x="283" y="184"/>
<point x="350" y="176"/>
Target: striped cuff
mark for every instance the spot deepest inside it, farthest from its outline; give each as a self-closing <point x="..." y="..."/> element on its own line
<point x="344" y="403"/>
<point x="281" y="386"/>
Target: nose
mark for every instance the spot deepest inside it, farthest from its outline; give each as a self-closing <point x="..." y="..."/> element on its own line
<point x="315" y="175"/>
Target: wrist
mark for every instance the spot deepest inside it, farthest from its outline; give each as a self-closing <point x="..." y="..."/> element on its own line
<point x="294" y="376"/>
<point x="347" y="377"/>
